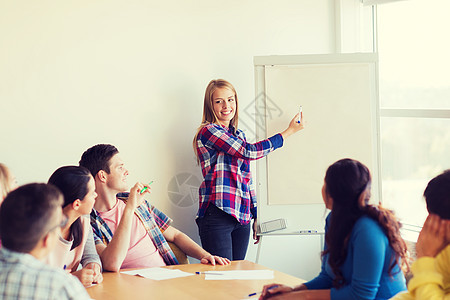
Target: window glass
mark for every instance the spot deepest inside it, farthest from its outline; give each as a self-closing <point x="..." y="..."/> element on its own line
<point x="413" y="151"/>
<point x="414" y="55"/>
<point x="414" y="64"/>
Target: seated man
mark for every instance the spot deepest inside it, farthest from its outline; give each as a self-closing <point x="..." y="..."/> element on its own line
<point x="131" y="233"/>
<point x="30" y="221"/>
<point x="431" y="270"/>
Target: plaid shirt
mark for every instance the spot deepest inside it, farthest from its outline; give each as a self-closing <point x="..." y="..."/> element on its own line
<point x="22" y="276"/>
<point x="225" y="161"/>
<point x="153" y="220"/>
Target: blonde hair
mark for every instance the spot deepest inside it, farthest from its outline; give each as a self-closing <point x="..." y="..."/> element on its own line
<point x="209" y="116"/>
<point x="4" y="181"/>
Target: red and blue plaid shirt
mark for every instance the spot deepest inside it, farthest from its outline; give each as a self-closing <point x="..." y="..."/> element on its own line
<point x="225" y="160"/>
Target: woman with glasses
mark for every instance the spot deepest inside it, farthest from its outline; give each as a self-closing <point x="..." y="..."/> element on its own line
<point x="76" y="243"/>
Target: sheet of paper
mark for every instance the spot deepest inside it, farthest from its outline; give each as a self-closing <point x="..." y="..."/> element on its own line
<point x="239" y="275"/>
<point x="158" y="273"/>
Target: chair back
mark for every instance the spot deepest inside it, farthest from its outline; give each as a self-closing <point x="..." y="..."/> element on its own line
<point x="180" y="255"/>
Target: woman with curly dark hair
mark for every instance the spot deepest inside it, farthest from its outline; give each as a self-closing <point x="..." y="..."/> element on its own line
<point x="364" y="252"/>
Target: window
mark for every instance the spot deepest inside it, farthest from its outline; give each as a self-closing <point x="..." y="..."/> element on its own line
<point x="414" y="87"/>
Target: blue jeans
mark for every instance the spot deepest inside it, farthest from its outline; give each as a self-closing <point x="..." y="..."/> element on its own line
<point x="221" y="234"/>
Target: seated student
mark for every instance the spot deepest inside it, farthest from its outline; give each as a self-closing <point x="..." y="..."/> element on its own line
<point x="131" y="234"/>
<point x="76" y="242"/>
<point x="7" y="181"/>
<point x="363" y="247"/>
<point x="431" y="270"/>
<point x="30" y="221"/>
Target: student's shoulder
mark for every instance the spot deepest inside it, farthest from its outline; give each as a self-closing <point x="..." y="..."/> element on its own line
<point x="153" y="209"/>
<point x="240" y="133"/>
<point x="367" y="233"/>
<point x="368" y="225"/>
<point x="211" y="128"/>
<point x="55" y="276"/>
<point x="366" y="222"/>
<point x="51" y="282"/>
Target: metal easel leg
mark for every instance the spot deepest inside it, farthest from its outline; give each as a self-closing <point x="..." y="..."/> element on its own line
<point x="259" y="249"/>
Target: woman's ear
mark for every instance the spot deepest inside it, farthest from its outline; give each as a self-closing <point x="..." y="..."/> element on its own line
<point x="364" y="197"/>
<point x="327" y="198"/>
<point x="76" y="204"/>
<point x="329" y="203"/>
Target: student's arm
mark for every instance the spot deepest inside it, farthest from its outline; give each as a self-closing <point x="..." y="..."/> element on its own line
<point x="90" y="261"/>
<point x="299" y="295"/>
<point x="90" y="255"/>
<point x="216" y="137"/>
<point x="188" y="246"/>
<point x="254" y="212"/>
<point x="322" y="283"/>
<point x="85" y="276"/>
<point x="293" y="127"/>
<point x="433" y="259"/>
<point x="113" y="254"/>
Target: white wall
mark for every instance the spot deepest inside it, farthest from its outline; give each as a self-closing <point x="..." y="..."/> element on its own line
<point x="133" y="73"/>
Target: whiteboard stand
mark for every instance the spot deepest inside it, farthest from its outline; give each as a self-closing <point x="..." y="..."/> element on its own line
<point x="339" y="96"/>
<point x="285" y="232"/>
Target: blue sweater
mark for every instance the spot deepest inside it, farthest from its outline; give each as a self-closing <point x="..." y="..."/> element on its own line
<point x="366" y="266"/>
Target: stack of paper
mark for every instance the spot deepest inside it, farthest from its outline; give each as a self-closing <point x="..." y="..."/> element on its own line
<point x="158" y="273"/>
<point x="239" y="275"/>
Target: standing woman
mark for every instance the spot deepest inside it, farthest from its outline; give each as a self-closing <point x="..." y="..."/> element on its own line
<point x="227" y="196"/>
<point x="76" y="243"/>
<point x="363" y="251"/>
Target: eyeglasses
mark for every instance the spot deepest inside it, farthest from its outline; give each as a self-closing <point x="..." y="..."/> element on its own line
<point x="63" y="223"/>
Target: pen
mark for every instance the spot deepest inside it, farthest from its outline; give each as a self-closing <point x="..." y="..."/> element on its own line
<point x="300" y="115"/>
<point x="257" y="293"/>
<point x="198" y="273"/>
<point x="145" y="188"/>
<point x="308" y="231"/>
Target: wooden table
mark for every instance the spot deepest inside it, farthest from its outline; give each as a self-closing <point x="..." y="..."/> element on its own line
<point x="128" y="287"/>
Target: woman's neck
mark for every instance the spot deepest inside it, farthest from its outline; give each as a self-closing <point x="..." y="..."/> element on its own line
<point x="72" y="216"/>
<point x="227" y="124"/>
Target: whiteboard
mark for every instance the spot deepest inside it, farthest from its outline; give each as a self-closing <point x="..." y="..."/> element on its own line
<point x="339" y="97"/>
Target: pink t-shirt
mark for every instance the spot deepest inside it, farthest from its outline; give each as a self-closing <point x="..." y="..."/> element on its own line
<point x="142" y="253"/>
